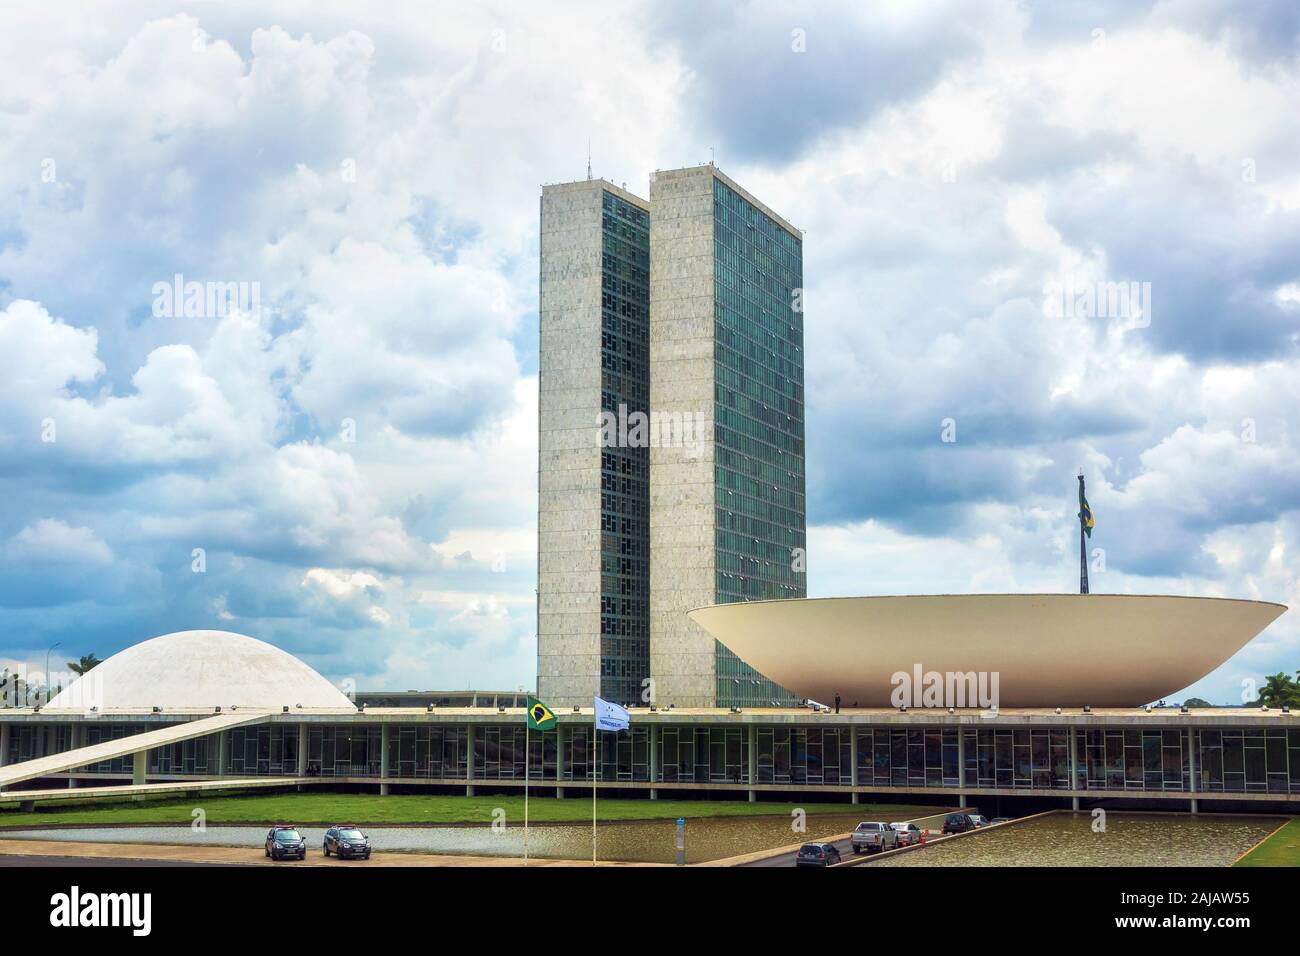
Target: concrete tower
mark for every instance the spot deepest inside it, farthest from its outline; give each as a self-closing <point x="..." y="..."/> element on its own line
<point x="727" y="513"/>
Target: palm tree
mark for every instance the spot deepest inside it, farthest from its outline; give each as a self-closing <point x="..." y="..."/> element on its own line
<point x="1279" y="689"/>
<point x="87" y="662"/>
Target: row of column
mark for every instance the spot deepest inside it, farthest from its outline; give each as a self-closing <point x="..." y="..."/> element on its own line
<point x="140" y="760"/>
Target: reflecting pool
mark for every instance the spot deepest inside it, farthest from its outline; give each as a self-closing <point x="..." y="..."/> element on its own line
<point x="1129" y="839"/>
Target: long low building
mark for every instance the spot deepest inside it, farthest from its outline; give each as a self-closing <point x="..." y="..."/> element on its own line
<point x="1219" y="753"/>
<point x="1223" y="754"/>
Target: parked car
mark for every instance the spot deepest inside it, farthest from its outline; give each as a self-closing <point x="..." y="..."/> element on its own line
<point x="909" y="834"/>
<point x="1001" y="820"/>
<point x="347" y="841"/>
<point x="978" y="820"/>
<point x="817" y="854"/>
<point x="286" y="841"/>
<point x="958" y="823"/>
<point x="874" y="838"/>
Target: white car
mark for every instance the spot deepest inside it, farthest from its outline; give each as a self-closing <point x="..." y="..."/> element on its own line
<point x="909" y="834"/>
<point x="978" y="820"/>
<point x="874" y="837"/>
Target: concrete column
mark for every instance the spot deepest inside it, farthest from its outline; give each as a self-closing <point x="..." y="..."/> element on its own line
<point x="1074" y="768"/>
<point x="4" y="743"/>
<point x="469" y="760"/>
<point x="753" y="764"/>
<point x="1074" y="804"/>
<point x="853" y="747"/>
<point x="1192" y="765"/>
<point x="383" y="758"/>
<point x="221" y="754"/>
<point x="302" y="752"/>
<point x="75" y="735"/>
<point x="139" y="770"/>
<point x="654" y="761"/>
<point x="561" y="742"/>
<point x="961" y="764"/>
<point x="854" y="798"/>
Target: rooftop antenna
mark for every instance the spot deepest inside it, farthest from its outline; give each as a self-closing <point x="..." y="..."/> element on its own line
<point x="588" y="159"/>
<point x="711" y="156"/>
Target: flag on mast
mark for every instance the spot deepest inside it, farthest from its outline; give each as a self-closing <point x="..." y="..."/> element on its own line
<point x="540" y="717"/>
<point x="1085" y="531"/>
<point x="1085" y="515"/>
<point x="611" y="716"/>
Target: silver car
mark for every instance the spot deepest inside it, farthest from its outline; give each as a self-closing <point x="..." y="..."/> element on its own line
<point x="909" y="834"/>
<point x="874" y="838"/>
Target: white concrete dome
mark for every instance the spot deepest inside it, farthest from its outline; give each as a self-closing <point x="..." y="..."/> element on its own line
<point x="200" y="671"/>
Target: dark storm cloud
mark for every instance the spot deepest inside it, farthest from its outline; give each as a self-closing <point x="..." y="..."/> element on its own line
<point x="1214" y="251"/>
<point x="758" y="100"/>
<point x="1035" y="148"/>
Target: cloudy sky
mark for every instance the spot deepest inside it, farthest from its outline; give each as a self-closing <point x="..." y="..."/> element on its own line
<point x="349" y="470"/>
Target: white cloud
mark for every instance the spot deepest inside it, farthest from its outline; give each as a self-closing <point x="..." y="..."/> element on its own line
<point x="359" y="459"/>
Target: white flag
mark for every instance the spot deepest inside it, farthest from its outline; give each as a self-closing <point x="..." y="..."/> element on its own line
<point x="611" y="716"/>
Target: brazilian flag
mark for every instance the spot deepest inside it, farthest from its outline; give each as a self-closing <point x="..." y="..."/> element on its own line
<point x="1085" y="515"/>
<point x="540" y="717"/>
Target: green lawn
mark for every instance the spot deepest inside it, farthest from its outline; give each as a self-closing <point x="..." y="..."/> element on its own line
<point x="1280" y="849"/>
<point x="327" y="808"/>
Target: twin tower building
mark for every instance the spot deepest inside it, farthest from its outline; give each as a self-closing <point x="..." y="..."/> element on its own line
<point x="671" y="453"/>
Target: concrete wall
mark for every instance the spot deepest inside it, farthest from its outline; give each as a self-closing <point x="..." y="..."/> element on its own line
<point x="682" y="554"/>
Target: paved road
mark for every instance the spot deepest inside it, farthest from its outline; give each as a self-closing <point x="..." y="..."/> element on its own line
<point x="82" y="861"/>
<point x="787" y="859"/>
<point x="845" y="847"/>
<point x="16" y="852"/>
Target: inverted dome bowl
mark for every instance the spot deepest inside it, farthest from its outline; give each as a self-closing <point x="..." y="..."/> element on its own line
<point x="1049" y="650"/>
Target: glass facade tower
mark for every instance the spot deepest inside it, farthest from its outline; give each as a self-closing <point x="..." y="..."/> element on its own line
<point x="727" y="516"/>
<point x="624" y="468"/>
<point x="758" y="423"/>
<point x="593" y="630"/>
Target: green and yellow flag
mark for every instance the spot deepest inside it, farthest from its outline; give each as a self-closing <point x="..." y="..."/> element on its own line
<point x="1086" y="516"/>
<point x="540" y="717"/>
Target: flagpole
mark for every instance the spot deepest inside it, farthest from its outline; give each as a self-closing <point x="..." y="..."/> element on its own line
<point x="1083" y="548"/>
<point x="593" y="790"/>
<point x="528" y="752"/>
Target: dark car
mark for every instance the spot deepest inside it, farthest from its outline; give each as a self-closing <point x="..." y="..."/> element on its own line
<point x="347" y="841"/>
<point x="817" y="854"/>
<point x="285" y="842"/>
<point x="958" y="823"/>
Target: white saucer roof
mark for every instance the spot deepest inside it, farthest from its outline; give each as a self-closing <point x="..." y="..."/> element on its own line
<point x="1049" y="650"/>
<point x="201" y="670"/>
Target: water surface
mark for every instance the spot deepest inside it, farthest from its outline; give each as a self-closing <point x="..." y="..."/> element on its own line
<point x="650" y="841"/>
<point x="1130" y="839"/>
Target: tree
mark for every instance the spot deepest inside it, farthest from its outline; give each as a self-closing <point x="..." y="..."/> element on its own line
<point x="87" y="662"/>
<point x="1191" y="702"/>
<point x="1279" y="689"/>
